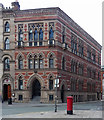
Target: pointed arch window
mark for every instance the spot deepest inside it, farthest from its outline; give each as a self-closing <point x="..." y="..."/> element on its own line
<point x="50" y="83"/>
<point x="40" y="37"/>
<point x="30" y="62"/>
<point x="7" y="27"/>
<point x="30" y="37"/>
<point x="35" y="62"/>
<point x="7" y="44"/>
<point x="51" y="62"/>
<point x="20" y="83"/>
<point x="20" y="63"/>
<point x="63" y="63"/>
<point x="6" y="64"/>
<point x="40" y="62"/>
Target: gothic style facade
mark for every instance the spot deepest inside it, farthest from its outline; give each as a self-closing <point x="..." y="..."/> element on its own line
<point x="38" y="45"/>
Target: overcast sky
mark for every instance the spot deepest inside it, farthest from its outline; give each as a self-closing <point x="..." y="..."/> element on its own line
<point x="86" y="13"/>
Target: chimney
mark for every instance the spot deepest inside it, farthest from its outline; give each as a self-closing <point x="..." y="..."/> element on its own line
<point x="15" y="5"/>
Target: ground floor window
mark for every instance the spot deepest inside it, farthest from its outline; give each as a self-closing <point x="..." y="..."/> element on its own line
<point x="50" y="97"/>
<point x="20" y="97"/>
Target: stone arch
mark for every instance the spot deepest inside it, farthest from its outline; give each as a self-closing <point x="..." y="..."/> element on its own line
<point x="35" y="86"/>
<point x="20" y="54"/>
<point x="7" y="55"/>
<point x="51" y="74"/>
<point x="51" y="53"/>
<point x="7" y="81"/>
<point x="63" y="82"/>
<point x="20" y="75"/>
<point x="63" y="89"/>
<point x="29" y="54"/>
<point x="35" y="76"/>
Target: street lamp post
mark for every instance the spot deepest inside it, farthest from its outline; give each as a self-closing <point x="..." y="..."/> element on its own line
<point x="56" y="96"/>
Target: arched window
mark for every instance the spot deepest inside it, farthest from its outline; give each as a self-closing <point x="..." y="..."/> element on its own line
<point x="63" y="63"/>
<point x="20" y="63"/>
<point x="20" y="83"/>
<point x="30" y="62"/>
<point x="40" y="62"/>
<point x="7" y="28"/>
<point x="35" y="37"/>
<point x="50" y="83"/>
<point x="6" y="64"/>
<point x="7" y="44"/>
<point x="51" y="62"/>
<point x="51" y="34"/>
<point x="30" y="37"/>
<point x="35" y="62"/>
<point x="40" y="37"/>
<point x="20" y="38"/>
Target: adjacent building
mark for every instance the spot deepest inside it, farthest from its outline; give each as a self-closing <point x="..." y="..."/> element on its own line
<point x="39" y="45"/>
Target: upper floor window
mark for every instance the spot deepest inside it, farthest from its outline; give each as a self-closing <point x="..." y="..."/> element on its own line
<point x="51" y="62"/>
<point x="63" y="35"/>
<point x="80" y="48"/>
<point x="80" y="69"/>
<point x="30" y="62"/>
<point x="89" y="72"/>
<point x="20" y="63"/>
<point x="51" y="34"/>
<point x="20" y="38"/>
<point x="40" y="37"/>
<point x="6" y="64"/>
<point x="40" y="62"/>
<point x="74" y="43"/>
<point x="7" y="43"/>
<point x="93" y="56"/>
<point x="50" y="83"/>
<point x="73" y="67"/>
<point x="20" y="83"/>
<point x="30" y="37"/>
<point x="7" y="27"/>
<point x="63" y="63"/>
<point x="35" y="62"/>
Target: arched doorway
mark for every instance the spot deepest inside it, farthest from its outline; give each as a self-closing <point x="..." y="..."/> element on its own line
<point x="36" y="89"/>
<point x="6" y="92"/>
<point x="62" y="93"/>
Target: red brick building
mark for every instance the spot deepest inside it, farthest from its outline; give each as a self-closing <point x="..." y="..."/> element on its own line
<point x="46" y="43"/>
<point x="102" y="82"/>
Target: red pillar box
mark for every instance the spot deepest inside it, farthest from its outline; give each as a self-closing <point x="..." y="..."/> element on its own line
<point x="70" y="105"/>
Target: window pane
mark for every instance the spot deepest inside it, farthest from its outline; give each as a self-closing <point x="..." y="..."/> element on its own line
<point x="50" y="84"/>
<point x="7" y="43"/>
<point x="51" y="34"/>
<point x="41" y="35"/>
<point x="50" y="63"/>
<point x="7" y="29"/>
<point x="6" y="64"/>
<point x="30" y="63"/>
<point x="40" y="63"/>
<point x="36" y="35"/>
<point x="36" y="63"/>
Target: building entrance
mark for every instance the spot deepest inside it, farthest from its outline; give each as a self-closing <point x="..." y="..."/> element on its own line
<point x="36" y="89"/>
<point x="6" y="92"/>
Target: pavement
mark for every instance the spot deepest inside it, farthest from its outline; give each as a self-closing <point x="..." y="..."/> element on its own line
<point x="80" y="110"/>
<point x="58" y="114"/>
